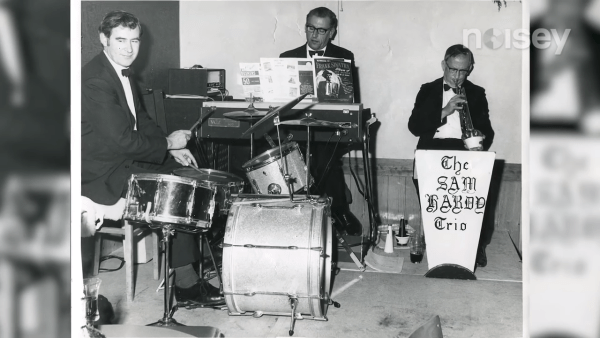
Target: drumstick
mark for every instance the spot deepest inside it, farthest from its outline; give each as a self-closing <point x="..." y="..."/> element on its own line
<point x="195" y="168"/>
<point x="200" y="119"/>
<point x="195" y="124"/>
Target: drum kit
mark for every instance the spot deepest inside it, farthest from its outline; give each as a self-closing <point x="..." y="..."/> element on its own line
<point x="277" y="248"/>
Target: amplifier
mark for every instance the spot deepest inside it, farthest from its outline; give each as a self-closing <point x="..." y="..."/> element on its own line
<point x="196" y="81"/>
<point x="219" y="127"/>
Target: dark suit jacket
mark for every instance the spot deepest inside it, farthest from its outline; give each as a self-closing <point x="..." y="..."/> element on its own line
<point x="427" y="112"/>
<point x="331" y="51"/>
<point x="109" y="145"/>
<point x="322" y="89"/>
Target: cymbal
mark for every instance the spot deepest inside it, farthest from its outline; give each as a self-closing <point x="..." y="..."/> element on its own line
<point x="247" y="114"/>
<point x="271" y="114"/>
<point x="310" y="122"/>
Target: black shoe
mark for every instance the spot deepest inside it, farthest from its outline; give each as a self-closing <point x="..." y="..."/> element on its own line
<point x="201" y="294"/>
<point x="481" y="259"/>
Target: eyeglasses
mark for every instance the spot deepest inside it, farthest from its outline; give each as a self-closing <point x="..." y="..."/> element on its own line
<point x="321" y="31"/>
<point x="455" y="71"/>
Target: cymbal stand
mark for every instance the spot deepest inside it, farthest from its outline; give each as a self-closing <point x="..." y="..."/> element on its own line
<point x="167" y="319"/>
<point x="307" y="162"/>
<point x="251" y="142"/>
<point x="286" y="176"/>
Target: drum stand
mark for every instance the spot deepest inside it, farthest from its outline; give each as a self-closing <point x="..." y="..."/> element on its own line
<point x="286" y="176"/>
<point x="167" y="319"/>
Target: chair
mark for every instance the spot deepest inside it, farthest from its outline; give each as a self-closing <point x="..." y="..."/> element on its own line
<point x="128" y="233"/>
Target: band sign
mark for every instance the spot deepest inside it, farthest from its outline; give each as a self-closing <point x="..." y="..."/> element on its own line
<point x="453" y="188"/>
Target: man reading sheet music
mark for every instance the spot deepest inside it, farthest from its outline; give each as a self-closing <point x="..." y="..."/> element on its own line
<point x="320" y="29"/>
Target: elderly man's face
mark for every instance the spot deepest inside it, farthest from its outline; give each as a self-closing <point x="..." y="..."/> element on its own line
<point x="456" y="70"/>
<point x="123" y="45"/>
<point x="314" y="39"/>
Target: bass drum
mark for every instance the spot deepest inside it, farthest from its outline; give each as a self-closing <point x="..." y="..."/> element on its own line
<point x="275" y="250"/>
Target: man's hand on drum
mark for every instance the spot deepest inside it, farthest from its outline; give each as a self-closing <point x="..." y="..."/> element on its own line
<point x="184" y="157"/>
<point x="178" y="139"/>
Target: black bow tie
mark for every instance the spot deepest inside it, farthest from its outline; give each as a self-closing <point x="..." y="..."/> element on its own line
<point x="318" y="52"/>
<point x="127" y="72"/>
<point x="447" y="88"/>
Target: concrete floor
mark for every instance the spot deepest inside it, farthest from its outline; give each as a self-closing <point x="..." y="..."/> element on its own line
<point x="372" y="303"/>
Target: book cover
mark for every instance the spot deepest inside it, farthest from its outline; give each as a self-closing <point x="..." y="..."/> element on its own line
<point x="250" y="77"/>
<point x="284" y="79"/>
<point x="333" y="80"/>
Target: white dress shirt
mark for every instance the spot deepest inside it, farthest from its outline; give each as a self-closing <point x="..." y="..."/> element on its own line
<point x="452" y="127"/>
<point x="127" y="87"/>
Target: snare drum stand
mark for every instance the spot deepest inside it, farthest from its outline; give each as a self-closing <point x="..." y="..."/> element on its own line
<point x="167" y="320"/>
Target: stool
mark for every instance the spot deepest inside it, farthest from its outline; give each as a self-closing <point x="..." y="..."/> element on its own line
<point x="128" y="233"/>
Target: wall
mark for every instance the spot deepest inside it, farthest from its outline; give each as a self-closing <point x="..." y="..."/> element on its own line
<point x="159" y="50"/>
<point x="398" y="46"/>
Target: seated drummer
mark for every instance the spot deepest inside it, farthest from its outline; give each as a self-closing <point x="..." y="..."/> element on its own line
<point x="320" y="29"/>
<point x="118" y="138"/>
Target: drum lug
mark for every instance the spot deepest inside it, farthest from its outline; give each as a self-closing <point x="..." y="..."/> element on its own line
<point x="255" y="185"/>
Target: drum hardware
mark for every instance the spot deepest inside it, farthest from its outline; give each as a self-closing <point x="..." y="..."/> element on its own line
<point x="293" y="303"/>
<point x="270" y="140"/>
<point x="167" y="319"/>
<point x="250" y="114"/>
<point x="361" y="266"/>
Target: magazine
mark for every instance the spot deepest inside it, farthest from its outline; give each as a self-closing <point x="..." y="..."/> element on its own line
<point x="250" y="74"/>
<point x="334" y="80"/>
<point x="284" y="79"/>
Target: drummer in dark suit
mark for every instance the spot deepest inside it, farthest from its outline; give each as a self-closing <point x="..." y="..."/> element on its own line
<point x="320" y="29"/>
<point x="118" y="137"/>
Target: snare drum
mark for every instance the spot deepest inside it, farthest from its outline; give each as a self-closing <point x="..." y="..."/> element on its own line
<point x="266" y="171"/>
<point x="167" y="199"/>
<point x="275" y="250"/>
<point x="226" y="184"/>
